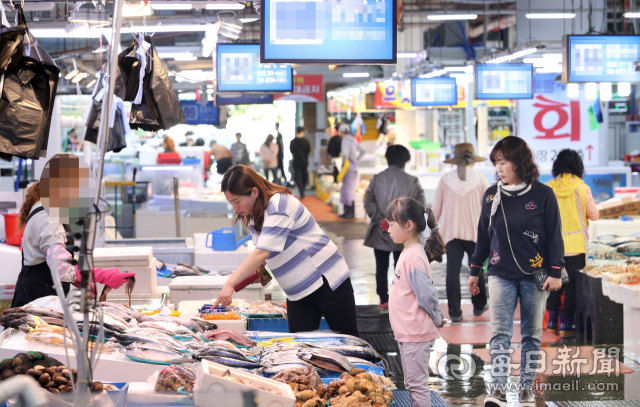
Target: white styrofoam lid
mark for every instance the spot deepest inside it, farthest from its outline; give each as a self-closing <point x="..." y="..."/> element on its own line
<point x="122" y="253"/>
<point x="198" y="282"/>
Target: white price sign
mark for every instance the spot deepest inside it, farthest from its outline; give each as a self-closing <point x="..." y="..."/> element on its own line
<point x="550" y="123"/>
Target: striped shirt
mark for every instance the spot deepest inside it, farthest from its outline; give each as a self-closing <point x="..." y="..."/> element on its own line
<point x="301" y="253"/>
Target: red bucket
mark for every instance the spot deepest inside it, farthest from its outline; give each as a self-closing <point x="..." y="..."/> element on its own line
<point x="14" y="235"/>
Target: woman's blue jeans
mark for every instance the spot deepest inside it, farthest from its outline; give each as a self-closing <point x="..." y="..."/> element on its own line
<point x="504" y="295"/>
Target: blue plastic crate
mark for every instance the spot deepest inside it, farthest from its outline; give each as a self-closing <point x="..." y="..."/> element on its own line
<point x="275" y="324"/>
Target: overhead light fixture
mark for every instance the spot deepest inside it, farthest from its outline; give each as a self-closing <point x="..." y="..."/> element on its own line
<point x="71" y="74"/>
<point x="591" y="90"/>
<point x="90" y="84"/>
<point x="550" y="15"/>
<point x="79" y="77"/>
<point x="185" y="58"/>
<point x="230" y="28"/>
<point x="136" y="9"/>
<point x="91" y="17"/>
<point x="605" y="91"/>
<point x="515" y="55"/>
<point x="100" y="49"/>
<point x="443" y="17"/>
<point x="462" y="78"/>
<point x="631" y="15"/>
<point x="433" y="74"/>
<point x="573" y="90"/>
<point x="407" y="54"/>
<point x="624" y="89"/>
<point x="41" y="6"/>
<point x="172" y="6"/>
<point x="250" y="19"/>
<point x="465" y="69"/>
<point x="224" y="6"/>
<point x="355" y="75"/>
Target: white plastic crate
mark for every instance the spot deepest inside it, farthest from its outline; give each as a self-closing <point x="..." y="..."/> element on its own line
<point x="211" y="390"/>
<point x="208" y="288"/>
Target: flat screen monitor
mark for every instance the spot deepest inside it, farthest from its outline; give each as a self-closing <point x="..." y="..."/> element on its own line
<point x="328" y="32"/>
<point x="504" y="81"/>
<point x="240" y="70"/>
<point x="602" y="58"/>
<point x="434" y="91"/>
<point x="244" y="99"/>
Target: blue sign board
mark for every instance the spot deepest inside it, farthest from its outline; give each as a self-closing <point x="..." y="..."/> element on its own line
<point x="603" y="58"/>
<point x="504" y="81"/>
<point x="240" y="70"/>
<point x="332" y="31"/>
<point x="244" y="99"/>
<point x="199" y="114"/>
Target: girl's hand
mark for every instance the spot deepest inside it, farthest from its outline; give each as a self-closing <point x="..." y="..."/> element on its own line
<point x="552" y="284"/>
<point x="473" y="285"/>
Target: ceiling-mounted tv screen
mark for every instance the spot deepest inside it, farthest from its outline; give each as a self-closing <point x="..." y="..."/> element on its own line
<point x="434" y="91"/>
<point x="602" y="58"/>
<point x="328" y="32"/>
<point x="504" y="81"/>
<point x="244" y="99"/>
<point x="239" y="70"/>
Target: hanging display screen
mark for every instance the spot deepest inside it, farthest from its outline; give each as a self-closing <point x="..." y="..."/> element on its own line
<point x="602" y="58"/>
<point x="328" y="32"/>
<point x="504" y="81"/>
<point x="244" y="99"/>
<point x="240" y="70"/>
<point x="434" y="91"/>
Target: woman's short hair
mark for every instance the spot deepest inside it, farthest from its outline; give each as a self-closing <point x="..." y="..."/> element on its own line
<point x="397" y="155"/>
<point x="516" y="150"/>
<point x="568" y="162"/>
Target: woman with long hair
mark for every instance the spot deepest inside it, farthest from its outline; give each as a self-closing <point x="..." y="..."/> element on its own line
<point x="269" y="153"/>
<point x="577" y="208"/>
<point x="306" y="263"/>
<point x="520" y="232"/>
<point x="45" y="238"/>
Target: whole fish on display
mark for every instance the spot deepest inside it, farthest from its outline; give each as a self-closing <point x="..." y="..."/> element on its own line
<point x="630" y="247"/>
<point x="232" y="362"/>
<point x="326" y="359"/>
<point x="222" y="352"/>
<point x="369" y="354"/>
<point x="225" y="334"/>
<point x="154" y="355"/>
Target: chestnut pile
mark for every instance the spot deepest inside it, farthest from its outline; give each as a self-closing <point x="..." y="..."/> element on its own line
<point x="50" y="373"/>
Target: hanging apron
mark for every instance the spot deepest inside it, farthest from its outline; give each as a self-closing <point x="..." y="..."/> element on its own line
<point x="34" y="281"/>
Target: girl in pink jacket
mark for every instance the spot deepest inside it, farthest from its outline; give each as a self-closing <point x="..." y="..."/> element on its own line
<point x="414" y="312"/>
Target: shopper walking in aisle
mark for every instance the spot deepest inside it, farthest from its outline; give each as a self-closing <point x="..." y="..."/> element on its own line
<point x="280" y="143"/>
<point x="306" y="263"/>
<point x="269" y="153"/>
<point x="520" y="233"/>
<point x="222" y="155"/>
<point x="390" y="184"/>
<point x="413" y="305"/>
<point x="457" y="205"/>
<point x="46" y="228"/>
<point x="352" y="152"/>
<point x="577" y="208"/>
<point x="240" y="151"/>
<point x="334" y="148"/>
<point x="300" y="149"/>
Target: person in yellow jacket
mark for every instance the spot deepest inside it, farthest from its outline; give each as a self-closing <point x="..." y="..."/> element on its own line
<point x="577" y="207"/>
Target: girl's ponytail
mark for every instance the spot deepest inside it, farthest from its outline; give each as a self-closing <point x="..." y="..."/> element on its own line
<point x="435" y="242"/>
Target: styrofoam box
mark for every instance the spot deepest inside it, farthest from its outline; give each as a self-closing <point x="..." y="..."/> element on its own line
<point x="614" y="226"/>
<point x="209" y="287"/>
<point x="146" y="279"/>
<point x="211" y="389"/>
<point x="222" y="261"/>
<point x="144" y="392"/>
<point x="133" y="255"/>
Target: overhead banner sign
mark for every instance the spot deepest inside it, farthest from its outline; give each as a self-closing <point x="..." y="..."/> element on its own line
<point x="195" y="113"/>
<point x="550" y="123"/>
<point x="394" y="94"/>
<point x="306" y="88"/>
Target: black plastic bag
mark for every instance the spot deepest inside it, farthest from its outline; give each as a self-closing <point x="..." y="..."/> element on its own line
<point x="116" y="141"/>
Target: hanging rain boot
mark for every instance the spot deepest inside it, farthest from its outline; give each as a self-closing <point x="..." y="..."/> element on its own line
<point x="552" y="325"/>
<point x="567" y="326"/>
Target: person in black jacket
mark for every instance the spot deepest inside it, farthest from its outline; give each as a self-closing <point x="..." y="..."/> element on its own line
<point x="334" y="148"/>
<point x="280" y="143"/>
<point x="300" y="149"/>
<point x="520" y="232"/>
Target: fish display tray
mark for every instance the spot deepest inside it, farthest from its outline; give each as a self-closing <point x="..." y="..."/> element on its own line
<point x="259" y="316"/>
<point x="211" y="389"/>
<point x="622" y="293"/>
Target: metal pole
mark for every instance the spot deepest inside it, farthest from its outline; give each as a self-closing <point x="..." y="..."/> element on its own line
<point x="176" y="199"/>
<point x="485" y="34"/>
<point x="84" y="370"/>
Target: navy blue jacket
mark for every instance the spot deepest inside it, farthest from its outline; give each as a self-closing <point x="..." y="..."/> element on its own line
<point x="535" y="229"/>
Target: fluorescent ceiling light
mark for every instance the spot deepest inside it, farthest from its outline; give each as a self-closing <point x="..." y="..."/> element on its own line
<point x="550" y="15"/>
<point x="631" y="15"/>
<point x="441" y="17"/>
<point x="624" y="89"/>
<point x="90" y="84"/>
<point x="462" y="77"/>
<point x="225" y="6"/>
<point x="137" y="10"/>
<point x="573" y="90"/>
<point x="174" y="54"/>
<point x="605" y="91"/>
<point x="172" y="6"/>
<point x="591" y="90"/>
<point x="185" y="58"/>
<point x="407" y="54"/>
<point x="249" y="19"/>
<point x="465" y="69"/>
<point x="100" y="50"/>
<point x="79" y="77"/>
<point x="355" y="75"/>
<point x="89" y="17"/>
<point x="433" y="74"/>
<point x="71" y="74"/>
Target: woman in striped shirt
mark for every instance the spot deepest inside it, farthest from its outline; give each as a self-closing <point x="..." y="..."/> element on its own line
<point x="306" y="263"/>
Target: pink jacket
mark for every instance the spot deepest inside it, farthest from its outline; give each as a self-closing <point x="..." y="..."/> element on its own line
<point x="408" y="321"/>
<point x="269" y="155"/>
<point x="457" y="205"/>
